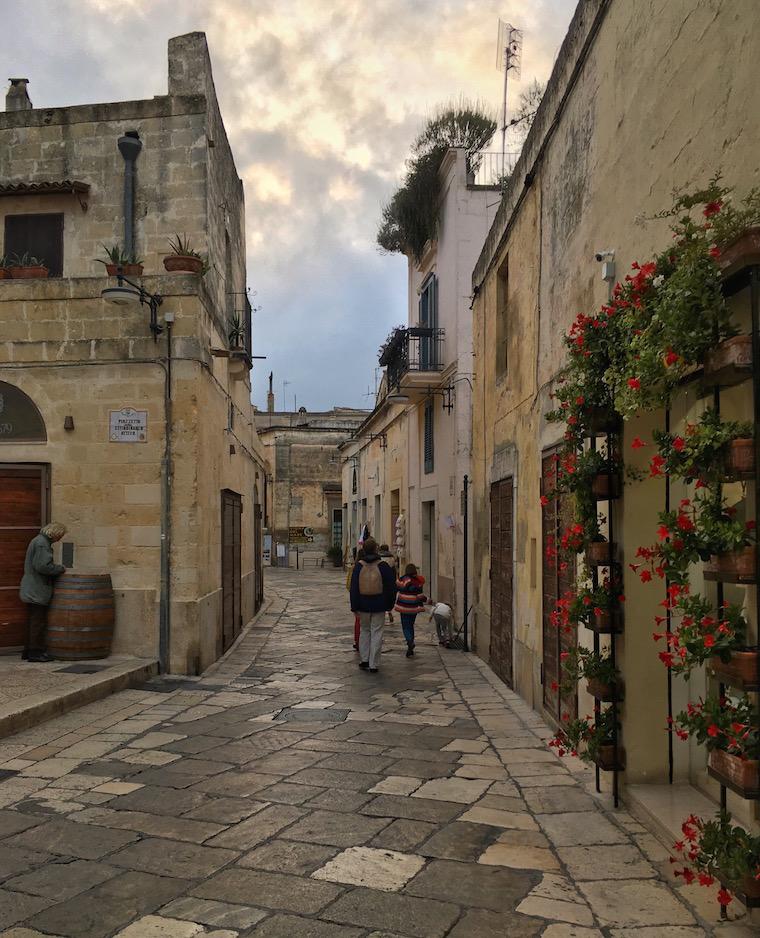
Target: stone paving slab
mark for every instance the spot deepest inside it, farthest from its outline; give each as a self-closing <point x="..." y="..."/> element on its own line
<point x="422" y="803"/>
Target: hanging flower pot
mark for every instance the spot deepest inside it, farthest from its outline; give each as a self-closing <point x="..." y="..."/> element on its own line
<point x="600" y="553"/>
<point x="741" y="252"/>
<point x="741" y="773"/>
<point x="730" y="362"/>
<point x="606" y="485"/>
<point x="606" y="622"/>
<point x="599" y="420"/>
<point x="740" y="460"/>
<point x="608" y="760"/>
<point x="602" y="691"/>
<point x="741" y="671"/>
<point x="735" y="566"/>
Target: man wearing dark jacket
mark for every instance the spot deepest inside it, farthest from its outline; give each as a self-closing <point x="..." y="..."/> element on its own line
<point x="373" y="593"/>
<point x="36" y="589"/>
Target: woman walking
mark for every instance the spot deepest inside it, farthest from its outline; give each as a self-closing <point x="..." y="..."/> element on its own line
<point x="410" y="601"/>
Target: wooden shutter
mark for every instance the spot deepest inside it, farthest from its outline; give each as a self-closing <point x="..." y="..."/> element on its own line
<point x="429" y="445"/>
<point x="38" y="235"/>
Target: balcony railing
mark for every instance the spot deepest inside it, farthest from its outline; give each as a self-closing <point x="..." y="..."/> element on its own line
<point x="417" y="349"/>
<point x="490" y="168"/>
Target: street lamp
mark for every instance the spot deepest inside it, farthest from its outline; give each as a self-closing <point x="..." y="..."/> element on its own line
<point x="128" y="293"/>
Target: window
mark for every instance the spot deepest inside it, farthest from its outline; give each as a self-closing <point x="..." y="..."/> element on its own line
<point x="428" y="445"/>
<point x="428" y="317"/>
<point x="502" y="322"/>
<point x="40" y="236"/>
<point x="353" y="481"/>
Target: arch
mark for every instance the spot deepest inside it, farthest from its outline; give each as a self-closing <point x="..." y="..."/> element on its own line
<point x="20" y="418"/>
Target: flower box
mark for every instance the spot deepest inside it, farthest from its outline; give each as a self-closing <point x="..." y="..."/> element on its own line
<point x="740" y="672"/>
<point x="608" y="759"/>
<point x="601" y="420"/>
<point x="5" y="274"/>
<point x="601" y="691"/>
<point x="184" y="263"/>
<point x="606" y="622"/>
<point x="606" y="485"/>
<point x="730" y="362"/>
<point x="740" y="460"/>
<point x="126" y="270"/>
<point x="600" y="553"/>
<point x="735" y="566"/>
<point x="28" y="273"/>
<point x="741" y="252"/>
<point x="741" y="774"/>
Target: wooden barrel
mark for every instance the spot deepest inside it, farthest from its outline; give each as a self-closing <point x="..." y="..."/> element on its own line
<point x="81" y="617"/>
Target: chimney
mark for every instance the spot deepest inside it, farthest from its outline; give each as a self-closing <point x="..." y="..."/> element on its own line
<point x="270" y="396"/>
<point x="17" y="97"/>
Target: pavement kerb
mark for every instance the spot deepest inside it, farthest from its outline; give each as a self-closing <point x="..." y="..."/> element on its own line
<point x="47" y="705"/>
<point x="270" y="600"/>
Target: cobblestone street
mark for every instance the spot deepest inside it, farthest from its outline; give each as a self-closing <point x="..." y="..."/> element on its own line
<point x="287" y="794"/>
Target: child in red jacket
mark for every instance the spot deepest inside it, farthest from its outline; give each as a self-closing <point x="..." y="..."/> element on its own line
<point x="410" y="601"/>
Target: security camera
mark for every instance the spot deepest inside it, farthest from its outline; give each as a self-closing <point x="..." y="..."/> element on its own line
<point x="604" y="255"/>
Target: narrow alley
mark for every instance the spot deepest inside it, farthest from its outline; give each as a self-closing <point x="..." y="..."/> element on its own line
<point x="288" y="793"/>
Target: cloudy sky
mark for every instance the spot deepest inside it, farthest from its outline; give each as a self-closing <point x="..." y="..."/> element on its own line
<point x="321" y="99"/>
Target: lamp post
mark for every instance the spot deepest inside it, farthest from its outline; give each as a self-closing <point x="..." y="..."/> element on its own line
<point x="132" y="293"/>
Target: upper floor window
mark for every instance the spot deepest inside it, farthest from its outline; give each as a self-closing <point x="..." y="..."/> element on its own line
<point x="429" y="448"/>
<point x="428" y="314"/>
<point x="39" y="236"/>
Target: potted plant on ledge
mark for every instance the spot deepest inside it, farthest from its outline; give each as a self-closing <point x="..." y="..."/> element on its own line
<point x="711" y="450"/>
<point x="26" y="267"/>
<point x="184" y="258"/>
<point x="119" y="262"/>
<point x="591" y="742"/>
<point x="602" y="678"/>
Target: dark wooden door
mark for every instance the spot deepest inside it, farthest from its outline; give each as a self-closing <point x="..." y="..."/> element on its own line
<point x="502" y="527"/>
<point x="558" y="577"/>
<point x="232" y="509"/>
<point x="23" y="511"/>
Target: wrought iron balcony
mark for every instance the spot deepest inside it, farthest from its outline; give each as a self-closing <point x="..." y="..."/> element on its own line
<point x="411" y="355"/>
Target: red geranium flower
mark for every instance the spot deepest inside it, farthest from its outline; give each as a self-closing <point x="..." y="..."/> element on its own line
<point x="634" y="384"/>
<point x="724" y="896"/>
<point x="712" y="208"/>
<point x="678" y="443"/>
<point x="670" y="357"/>
<point x="637" y="443"/>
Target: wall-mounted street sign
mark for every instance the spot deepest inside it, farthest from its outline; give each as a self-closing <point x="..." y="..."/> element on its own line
<point x="300" y="535"/>
<point x="128" y="426"/>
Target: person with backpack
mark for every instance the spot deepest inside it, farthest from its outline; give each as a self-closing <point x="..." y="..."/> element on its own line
<point x="373" y="590"/>
<point x="410" y="602"/>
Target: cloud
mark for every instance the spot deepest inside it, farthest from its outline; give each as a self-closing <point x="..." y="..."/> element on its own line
<point x="321" y="101"/>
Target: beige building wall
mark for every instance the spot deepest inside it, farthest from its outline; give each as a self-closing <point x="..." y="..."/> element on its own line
<point x="636" y="106"/>
<point x="76" y="355"/>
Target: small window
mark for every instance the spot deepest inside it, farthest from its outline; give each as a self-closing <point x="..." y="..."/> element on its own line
<point x="40" y="236"/>
<point x="429" y="448"/>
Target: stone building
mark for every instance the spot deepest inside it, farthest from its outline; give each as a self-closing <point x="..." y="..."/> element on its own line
<point x="411" y="456"/>
<point x="141" y="440"/>
<point x="303" y="500"/>
<point x="607" y="148"/>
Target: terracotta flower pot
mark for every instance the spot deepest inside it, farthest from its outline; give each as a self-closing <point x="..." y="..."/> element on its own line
<point x="741" y="671"/>
<point x="736" y="566"/>
<point x="606" y="622"/>
<point x="600" y="553"/>
<point x="5" y="274"/>
<point x="741" y="252"/>
<point x="730" y="362"/>
<point x="28" y="273"/>
<point x="749" y="886"/>
<point x="184" y="263"/>
<point x="743" y="773"/>
<point x="128" y="270"/>
<point x="602" y="691"/>
<point x="599" y="420"/>
<point x="606" y="486"/>
<point x="606" y="757"/>
<point x="740" y="460"/>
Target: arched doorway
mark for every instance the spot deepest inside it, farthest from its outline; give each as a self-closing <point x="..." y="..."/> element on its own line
<point x="24" y="506"/>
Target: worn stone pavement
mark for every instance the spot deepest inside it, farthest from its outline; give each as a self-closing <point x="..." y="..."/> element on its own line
<point x="295" y="796"/>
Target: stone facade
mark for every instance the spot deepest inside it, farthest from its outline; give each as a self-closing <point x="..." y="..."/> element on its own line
<point x="607" y="147"/>
<point x="75" y="355"/>
<point x="304" y="489"/>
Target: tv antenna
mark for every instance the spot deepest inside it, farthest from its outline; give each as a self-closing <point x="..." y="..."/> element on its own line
<point x="508" y="59"/>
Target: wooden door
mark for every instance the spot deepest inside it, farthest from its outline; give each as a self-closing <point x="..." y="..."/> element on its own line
<point x="502" y="527"/>
<point x="258" y="561"/>
<point x="232" y="509"/>
<point x="23" y="511"/>
<point x="558" y="576"/>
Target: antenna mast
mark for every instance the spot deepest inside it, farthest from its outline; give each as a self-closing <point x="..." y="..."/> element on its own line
<point x="508" y="58"/>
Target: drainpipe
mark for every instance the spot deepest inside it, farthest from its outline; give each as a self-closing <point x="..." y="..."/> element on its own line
<point x="129" y="147"/>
